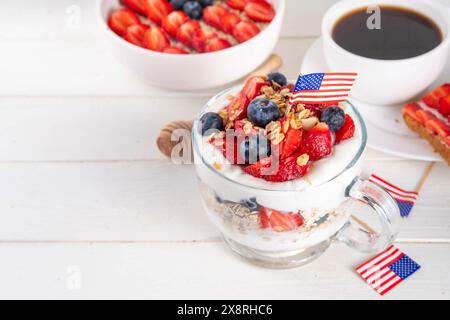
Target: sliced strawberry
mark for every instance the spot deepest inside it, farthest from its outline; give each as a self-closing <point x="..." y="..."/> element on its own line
<point x="237" y="4"/>
<point x="257" y="169"/>
<point x="155" y="39"/>
<point x="175" y="50"/>
<point x="138" y="6"/>
<point x="291" y="142"/>
<point x="280" y="221"/>
<point x="286" y="169"/>
<point x="212" y="15"/>
<point x="217" y="44"/>
<point x="121" y="19"/>
<point x="317" y="142"/>
<point x="201" y="39"/>
<point x="347" y="131"/>
<point x="260" y="11"/>
<point x="187" y="31"/>
<point x="158" y="9"/>
<point x="410" y="109"/>
<point x="438" y="127"/>
<point x="424" y="116"/>
<point x="135" y="34"/>
<point x="253" y="85"/>
<point x="229" y="21"/>
<point x="245" y="30"/>
<point x="432" y="99"/>
<point x="444" y="105"/>
<point x="172" y="22"/>
<point x="231" y="152"/>
<point x="237" y="109"/>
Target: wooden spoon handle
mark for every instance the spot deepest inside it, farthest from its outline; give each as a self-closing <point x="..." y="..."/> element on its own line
<point x="164" y="140"/>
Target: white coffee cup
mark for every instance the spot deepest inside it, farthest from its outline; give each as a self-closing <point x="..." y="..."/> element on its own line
<point x="387" y="82"/>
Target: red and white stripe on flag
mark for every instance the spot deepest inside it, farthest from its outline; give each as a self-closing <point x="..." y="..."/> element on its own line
<point x="387" y="270"/>
<point x="396" y="192"/>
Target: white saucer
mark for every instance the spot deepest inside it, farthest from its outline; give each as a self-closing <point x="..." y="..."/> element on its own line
<point x="386" y="129"/>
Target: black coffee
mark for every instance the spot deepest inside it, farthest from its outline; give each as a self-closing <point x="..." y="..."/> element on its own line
<point x="404" y="34"/>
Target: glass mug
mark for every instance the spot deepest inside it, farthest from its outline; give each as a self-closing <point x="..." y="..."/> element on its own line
<point x="330" y="210"/>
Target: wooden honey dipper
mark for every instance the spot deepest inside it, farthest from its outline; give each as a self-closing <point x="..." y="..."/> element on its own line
<point x="164" y="140"/>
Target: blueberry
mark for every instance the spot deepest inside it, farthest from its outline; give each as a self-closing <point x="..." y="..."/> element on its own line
<point x="278" y="78"/>
<point x="206" y="3"/>
<point x="254" y="148"/>
<point x="193" y="9"/>
<point x="210" y="121"/>
<point x="178" y="4"/>
<point x="334" y="117"/>
<point x="263" y="111"/>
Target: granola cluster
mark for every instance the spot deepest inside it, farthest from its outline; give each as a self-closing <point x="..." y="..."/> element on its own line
<point x="295" y="116"/>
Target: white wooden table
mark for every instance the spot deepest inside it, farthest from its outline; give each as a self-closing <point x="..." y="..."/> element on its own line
<point x="90" y="209"/>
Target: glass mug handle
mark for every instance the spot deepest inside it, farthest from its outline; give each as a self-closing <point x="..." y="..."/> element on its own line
<point x="383" y="206"/>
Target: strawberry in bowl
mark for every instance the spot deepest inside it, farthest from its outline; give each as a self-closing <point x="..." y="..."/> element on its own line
<point x="223" y="40"/>
<point x="192" y="26"/>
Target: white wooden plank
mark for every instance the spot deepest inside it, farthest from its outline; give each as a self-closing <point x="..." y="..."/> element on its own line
<point x="432" y="195"/>
<point x="74" y="129"/>
<point x="157" y="201"/>
<point x="126" y="201"/>
<point x="201" y="271"/>
<point x="375" y="155"/>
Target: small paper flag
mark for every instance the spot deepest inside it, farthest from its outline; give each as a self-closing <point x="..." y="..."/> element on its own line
<point x="323" y="88"/>
<point x="387" y="270"/>
<point x="405" y="199"/>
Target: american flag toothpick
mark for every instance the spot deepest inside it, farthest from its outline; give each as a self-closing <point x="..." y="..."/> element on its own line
<point x="387" y="270"/>
<point x="405" y="199"/>
<point x="323" y="88"/>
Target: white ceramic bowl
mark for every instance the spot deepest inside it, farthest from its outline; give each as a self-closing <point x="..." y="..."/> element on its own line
<point x="194" y="71"/>
<point x="386" y="82"/>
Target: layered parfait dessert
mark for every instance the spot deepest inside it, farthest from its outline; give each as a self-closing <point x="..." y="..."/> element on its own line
<point x="273" y="174"/>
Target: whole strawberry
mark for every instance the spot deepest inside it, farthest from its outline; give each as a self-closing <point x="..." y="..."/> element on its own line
<point x="317" y="142"/>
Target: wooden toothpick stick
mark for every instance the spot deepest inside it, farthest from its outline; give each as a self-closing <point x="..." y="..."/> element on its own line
<point x="425" y="176"/>
<point x="363" y="224"/>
